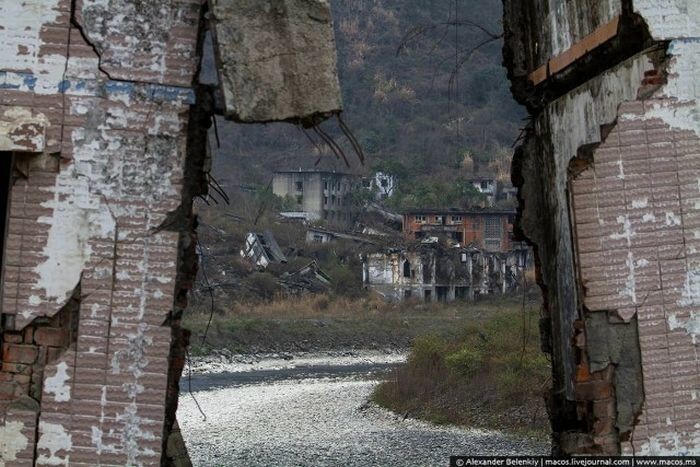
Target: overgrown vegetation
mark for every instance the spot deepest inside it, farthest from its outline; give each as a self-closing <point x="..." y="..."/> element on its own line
<point x="493" y="375"/>
<point x="436" y="194"/>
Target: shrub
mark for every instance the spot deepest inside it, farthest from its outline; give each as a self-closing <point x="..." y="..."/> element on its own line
<point x="465" y="361"/>
<point x="427" y="350"/>
<point x="264" y="284"/>
<point x="493" y="369"/>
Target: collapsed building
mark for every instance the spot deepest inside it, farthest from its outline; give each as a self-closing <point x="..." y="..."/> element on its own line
<point x="609" y="190"/>
<point x="432" y="273"/>
<point x="482" y="258"/>
<point x="262" y="249"/>
<point x="103" y="130"/>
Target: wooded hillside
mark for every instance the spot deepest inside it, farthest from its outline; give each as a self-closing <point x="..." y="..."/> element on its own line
<point x="400" y="104"/>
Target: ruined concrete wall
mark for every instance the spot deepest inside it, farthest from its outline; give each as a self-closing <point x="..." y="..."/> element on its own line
<point x="475" y="272"/>
<point x="609" y="189"/>
<point x="105" y="86"/>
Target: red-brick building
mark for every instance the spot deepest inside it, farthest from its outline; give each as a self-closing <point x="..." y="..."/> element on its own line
<point x="490" y="230"/>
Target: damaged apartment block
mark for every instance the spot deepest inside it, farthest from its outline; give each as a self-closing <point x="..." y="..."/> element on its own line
<point x="102" y="149"/>
<point x="609" y="189"/>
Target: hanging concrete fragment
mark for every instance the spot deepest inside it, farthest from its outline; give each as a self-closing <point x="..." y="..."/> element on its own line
<point x="277" y="59"/>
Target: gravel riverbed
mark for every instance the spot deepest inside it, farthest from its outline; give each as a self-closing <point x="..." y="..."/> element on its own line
<point x="300" y="419"/>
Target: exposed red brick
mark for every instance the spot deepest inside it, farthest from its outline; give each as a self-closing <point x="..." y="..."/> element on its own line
<point x="54" y="337"/>
<point x="13" y="338"/>
<point x="16" y="353"/>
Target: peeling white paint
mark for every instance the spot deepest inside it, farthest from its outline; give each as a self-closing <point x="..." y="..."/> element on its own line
<point x="57" y="384"/>
<point x="621" y="170"/>
<point x="16" y="117"/>
<point x="672" y="219"/>
<point x="627" y="231"/>
<point x="669" y="19"/>
<point x="53" y="438"/>
<point x="21" y="24"/>
<point x="690" y="325"/>
<point x="133" y="434"/>
<point x="12" y="441"/>
<point x="691" y="288"/>
<point x="123" y="275"/>
<point x="67" y="249"/>
<point x="630" y="289"/>
<point x="640" y="203"/>
<point x="670" y="444"/>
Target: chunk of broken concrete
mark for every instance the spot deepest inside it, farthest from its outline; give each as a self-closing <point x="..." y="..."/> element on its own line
<point x="277" y="59"/>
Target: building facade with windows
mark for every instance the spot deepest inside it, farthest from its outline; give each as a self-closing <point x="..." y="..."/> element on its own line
<point x="431" y="273"/>
<point x="321" y="195"/>
<point x="490" y="230"/>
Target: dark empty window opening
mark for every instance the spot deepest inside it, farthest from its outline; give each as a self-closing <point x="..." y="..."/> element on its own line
<point x="406" y="269"/>
<point x="428" y="295"/>
<point x="461" y="293"/>
<point x="300" y="186"/>
<point x="442" y="294"/>
<point x="5" y="183"/>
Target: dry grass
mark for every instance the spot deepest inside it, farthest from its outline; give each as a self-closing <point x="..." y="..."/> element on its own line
<point x="326" y="322"/>
<point x="328" y="306"/>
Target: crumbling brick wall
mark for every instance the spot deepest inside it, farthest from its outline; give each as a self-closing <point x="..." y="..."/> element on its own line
<point x="95" y="99"/>
<point x="609" y="181"/>
<point x="106" y="122"/>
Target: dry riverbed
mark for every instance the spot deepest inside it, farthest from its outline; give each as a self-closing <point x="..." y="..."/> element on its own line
<point x="313" y="410"/>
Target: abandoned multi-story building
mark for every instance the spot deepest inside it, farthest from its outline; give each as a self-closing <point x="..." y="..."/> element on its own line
<point x="609" y="180"/>
<point x="319" y="195"/>
<point x="103" y="129"/>
<point x="489" y="230"/>
<point x="432" y="273"/>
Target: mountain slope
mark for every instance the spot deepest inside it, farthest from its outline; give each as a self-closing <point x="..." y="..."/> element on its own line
<point x="401" y="107"/>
